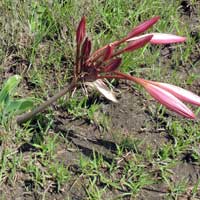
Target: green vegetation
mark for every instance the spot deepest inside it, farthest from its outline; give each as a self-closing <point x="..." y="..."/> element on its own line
<point x="73" y="150"/>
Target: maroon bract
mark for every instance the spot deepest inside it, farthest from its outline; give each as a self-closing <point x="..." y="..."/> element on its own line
<point x="92" y="68"/>
<point x="81" y="31"/>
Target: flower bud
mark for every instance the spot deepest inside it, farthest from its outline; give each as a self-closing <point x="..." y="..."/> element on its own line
<point x="81" y="30"/>
<point x="114" y="64"/>
<point x="169" y="100"/>
<point x="133" y="45"/>
<point x="143" y="27"/>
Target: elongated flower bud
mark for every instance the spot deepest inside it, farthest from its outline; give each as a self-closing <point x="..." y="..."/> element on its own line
<point x="138" y="43"/>
<point x="161" y="38"/>
<point x="86" y="48"/>
<point x="143" y="27"/>
<point x="169" y="100"/>
<point x="180" y="93"/>
<point x="108" y="52"/>
<point x="114" y="64"/>
<point x="81" y="31"/>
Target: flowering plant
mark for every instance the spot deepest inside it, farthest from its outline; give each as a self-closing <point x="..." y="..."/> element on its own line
<point x="104" y="63"/>
<point x="91" y="68"/>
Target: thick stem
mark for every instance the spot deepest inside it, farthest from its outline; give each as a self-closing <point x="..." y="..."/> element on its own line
<point x="120" y="75"/>
<point x="137" y="80"/>
<point x="25" y="117"/>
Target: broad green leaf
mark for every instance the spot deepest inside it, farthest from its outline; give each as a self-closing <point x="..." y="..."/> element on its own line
<point x="19" y="105"/>
<point x="8" y="88"/>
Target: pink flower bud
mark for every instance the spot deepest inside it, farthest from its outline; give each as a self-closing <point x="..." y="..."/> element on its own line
<point x="143" y="27"/>
<point x="169" y="100"/>
<point x="160" y="38"/>
<point x="180" y="93"/>
<point x="163" y="38"/>
<point x="81" y="30"/>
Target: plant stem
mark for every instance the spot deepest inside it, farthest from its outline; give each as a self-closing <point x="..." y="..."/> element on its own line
<point x="25" y="117"/>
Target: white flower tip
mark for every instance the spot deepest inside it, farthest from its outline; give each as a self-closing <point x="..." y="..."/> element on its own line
<point x="103" y="89"/>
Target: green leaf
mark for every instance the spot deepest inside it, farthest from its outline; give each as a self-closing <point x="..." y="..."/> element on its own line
<point x="8" y="88"/>
<point x="19" y="105"/>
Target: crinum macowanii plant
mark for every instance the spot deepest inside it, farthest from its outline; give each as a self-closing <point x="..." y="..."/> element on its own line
<point x="91" y="68"/>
